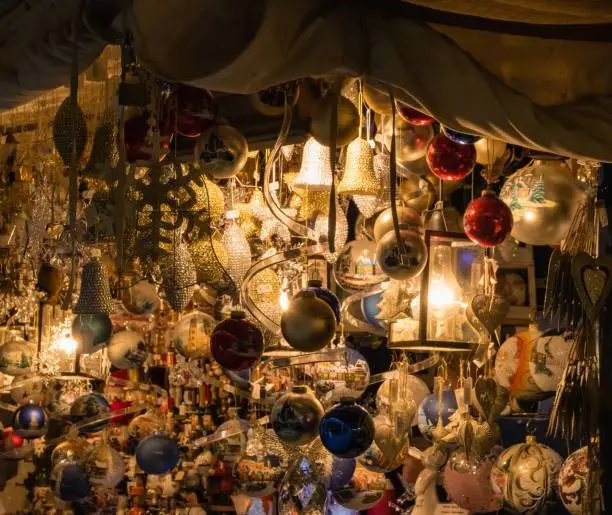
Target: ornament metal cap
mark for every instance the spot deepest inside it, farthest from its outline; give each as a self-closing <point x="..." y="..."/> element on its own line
<point x="299" y="388"/>
<point x="237" y="315"/>
<point x="315" y="283"/>
<point x="530" y="439"/>
<point x="94" y="297"/>
<point x="345" y="401"/>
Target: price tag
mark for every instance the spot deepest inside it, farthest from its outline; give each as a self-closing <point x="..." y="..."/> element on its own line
<point x="450" y="509"/>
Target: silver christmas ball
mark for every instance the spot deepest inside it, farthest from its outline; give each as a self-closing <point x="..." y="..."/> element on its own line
<point x="398" y="265"/>
<point x="408" y="219"/>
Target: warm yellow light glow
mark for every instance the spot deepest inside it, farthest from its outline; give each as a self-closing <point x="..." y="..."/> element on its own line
<point x="66" y="344"/>
<point x="529" y="216"/>
<point x="283" y="300"/>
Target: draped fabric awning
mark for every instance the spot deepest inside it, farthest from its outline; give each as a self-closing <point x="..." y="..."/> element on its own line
<point x="532" y="72"/>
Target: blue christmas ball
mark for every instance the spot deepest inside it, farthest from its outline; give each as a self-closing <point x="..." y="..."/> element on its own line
<point x="428" y="411"/>
<point x="157" y="454"/>
<point x="30" y="421"/>
<point x="69" y="481"/>
<point x="326" y="295"/>
<point x="460" y="137"/>
<point x="347" y="430"/>
<point x="370" y="309"/>
<point x="89" y="407"/>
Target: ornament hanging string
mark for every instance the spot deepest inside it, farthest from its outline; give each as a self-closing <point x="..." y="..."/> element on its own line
<point x="333" y="133"/>
<point x="393" y="178"/>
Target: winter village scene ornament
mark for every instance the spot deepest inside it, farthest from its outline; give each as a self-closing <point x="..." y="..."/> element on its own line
<point x="278" y="283"/>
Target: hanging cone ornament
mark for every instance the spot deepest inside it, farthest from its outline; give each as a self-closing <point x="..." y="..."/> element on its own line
<point x="178" y="277"/>
<point x="315" y="172"/>
<point x="94" y="297"/>
<point x="239" y="250"/>
<point x="359" y="177"/>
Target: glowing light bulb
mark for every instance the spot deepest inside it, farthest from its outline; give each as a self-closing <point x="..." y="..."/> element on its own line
<point x="66" y="344"/>
<point x="440" y="295"/>
<point x="283" y="300"/>
<point x="529" y="216"/>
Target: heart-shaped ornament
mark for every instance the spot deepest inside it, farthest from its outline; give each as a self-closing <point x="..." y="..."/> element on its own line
<point x="486" y="393"/>
<point x="593" y="282"/>
<point x="490" y="310"/>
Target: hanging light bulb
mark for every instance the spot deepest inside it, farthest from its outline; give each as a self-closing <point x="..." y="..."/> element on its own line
<point x="321" y="227"/>
<point x="239" y="251"/>
<point x="359" y="177"/>
<point x="315" y="172"/>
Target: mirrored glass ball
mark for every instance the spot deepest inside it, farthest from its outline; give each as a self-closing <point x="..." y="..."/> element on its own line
<point x="157" y="454"/>
<point x="89" y="407"/>
<point x="30" y="421"/>
<point x="398" y="264"/>
<point x="347" y="430"/>
<point x="309" y="324"/>
<point x="296" y="416"/>
<point x="236" y="344"/>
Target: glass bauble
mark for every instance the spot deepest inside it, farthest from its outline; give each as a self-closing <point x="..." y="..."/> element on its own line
<point x="335" y="472"/>
<point x="236" y="344"/>
<point x="325" y="294"/>
<point x="91" y="331"/>
<point x="530" y="365"/>
<point x="370" y="309"/>
<point x="190" y="336"/>
<point x="573" y="481"/>
<point x="489" y="150"/>
<point x="390" y="394"/>
<point x="127" y="349"/>
<point x="377" y="100"/>
<point x="144" y="425"/>
<point x="446" y="219"/>
<point x="356" y="268"/>
<point x="12" y="443"/>
<point x="74" y="449"/>
<point x="460" y="137"/>
<point x="390" y="446"/>
<point x="543" y="198"/>
<point x="364" y="490"/>
<point x="221" y="151"/>
<point x="209" y="258"/>
<point x="413" y="116"/>
<point x="69" y="481"/>
<point x="448" y="160"/>
<point x="141" y="298"/>
<point x="430" y="410"/>
<point x="190" y="110"/>
<point x="229" y="449"/>
<point x="28" y="391"/>
<point x="104" y="466"/>
<point x="302" y="492"/>
<point x="347" y="120"/>
<point x="157" y="454"/>
<point x="89" y="407"/>
<point x="296" y="416"/>
<point x="30" y="421"/>
<point x="408" y="219"/>
<point x="138" y="146"/>
<point x="119" y="405"/>
<point x="526" y="475"/>
<point x="309" y="323"/>
<point x="257" y="478"/>
<point x="16" y="357"/>
<point x="466" y="480"/>
<point x="411" y="141"/>
<point x="347" y="430"/>
<point x="399" y="265"/>
<point x="487" y="220"/>
<point x="346" y="378"/>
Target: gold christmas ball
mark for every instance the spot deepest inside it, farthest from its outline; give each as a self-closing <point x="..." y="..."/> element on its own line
<point x="348" y="121"/>
<point x="376" y="100"/>
<point x="488" y="150"/>
<point x="209" y="200"/>
<point x="208" y="256"/>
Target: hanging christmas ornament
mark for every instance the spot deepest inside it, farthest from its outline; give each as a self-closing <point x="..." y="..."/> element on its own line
<point x="315" y="170"/>
<point x="210" y="258"/>
<point x="239" y="257"/>
<point x="178" y="277"/>
<point x="91" y="331"/>
<point x="466" y="480"/>
<point x="417" y="193"/>
<point x="444" y="219"/>
<point x="448" y="160"/>
<point x="257" y="478"/>
<point x="573" y="482"/>
<point x="412" y="115"/>
<point x="391" y="443"/>
<point x="157" y="454"/>
<point x="431" y="409"/>
<point x="190" y="336"/>
<point x="69" y="481"/>
<point x="69" y="129"/>
<point x="487" y="220"/>
<point x="127" y="349"/>
<point x="357" y="268"/>
<point x="363" y="491"/>
<point x="347" y="128"/>
<point x="139" y="147"/>
<point x="489" y="150"/>
<point x="51" y="281"/>
<point x="461" y="137"/>
<point x="236" y="343"/>
<point x="526" y="475"/>
<point x="411" y="141"/>
<point x="141" y="298"/>
<point x="89" y="407"/>
<point x="401" y="261"/>
<point x="394" y="391"/>
<point x="296" y="416"/>
<point x="95" y="297"/>
<point x="543" y="198"/>
<point x="190" y="111"/>
<point x="104" y="467"/>
<point x="408" y="219"/>
<point x="326" y="295"/>
<point x="339" y="379"/>
<point x="30" y="421"/>
<point x="16" y="357"/>
<point x="377" y="100"/>
<point x="309" y="323"/>
<point x="74" y="449"/>
<point x="359" y="177"/>
<point x="144" y="425"/>
<point x="347" y="430"/>
<point x="369" y="205"/>
<point x="222" y="151"/>
<point x="321" y="228"/>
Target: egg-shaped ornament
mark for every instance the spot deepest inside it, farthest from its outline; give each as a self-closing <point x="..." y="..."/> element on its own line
<point x="91" y="331"/>
<point x="431" y="409"/>
<point x="408" y="219"/>
<point x="190" y="110"/>
<point x="296" y="416"/>
<point x="73" y="449"/>
<point x="356" y="268"/>
<point x="89" y="407"/>
<point x="141" y="298"/>
<point x="127" y="349"/>
<point x="402" y="262"/>
<point x="30" y="421"/>
<point x="411" y="141"/>
<point x="237" y="343"/>
<point x="346" y="378"/>
<point x="69" y="481"/>
<point x="104" y="467"/>
<point x="222" y="151"/>
<point x="448" y="160"/>
<point x="487" y="220"/>
<point x="325" y="294"/>
<point x="309" y="323"/>
<point x="157" y="454"/>
<point x="543" y="198"/>
<point x="190" y="336"/>
<point x="16" y="357"/>
<point x="347" y="120"/>
<point x="257" y="478"/>
<point x="489" y="150"/>
<point x="347" y="430"/>
<point x="526" y="475"/>
<point x="467" y="482"/>
<point x="460" y="137"/>
<point x="574" y="482"/>
<point x="363" y="491"/>
<point x="413" y="116"/>
<point x="394" y="392"/>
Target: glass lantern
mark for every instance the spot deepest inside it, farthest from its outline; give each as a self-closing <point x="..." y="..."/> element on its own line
<point x="448" y="284"/>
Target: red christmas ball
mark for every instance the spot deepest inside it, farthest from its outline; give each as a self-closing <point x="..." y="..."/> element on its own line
<point x="448" y="160"/>
<point x="236" y="343"/>
<point x="118" y="405"/>
<point x="190" y="111"/>
<point x="412" y="115"/>
<point x="487" y="220"/>
<point x="138" y="147"/>
<point x="11" y="440"/>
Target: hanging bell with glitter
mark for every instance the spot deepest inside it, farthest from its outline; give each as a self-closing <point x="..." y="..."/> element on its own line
<point x="315" y="171"/>
<point x="239" y="250"/>
<point x="95" y="296"/>
<point x="359" y="177"/>
<point x="178" y="277"/>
